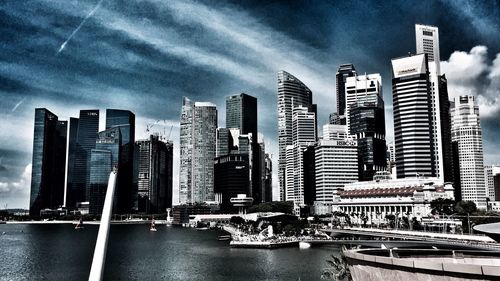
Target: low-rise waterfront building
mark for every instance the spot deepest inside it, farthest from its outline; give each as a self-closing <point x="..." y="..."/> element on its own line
<point x="409" y="197"/>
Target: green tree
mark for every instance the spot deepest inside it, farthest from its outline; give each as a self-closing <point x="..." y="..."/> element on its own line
<point x="442" y="206"/>
<point x="465" y="207"/>
<point x="338" y="269"/>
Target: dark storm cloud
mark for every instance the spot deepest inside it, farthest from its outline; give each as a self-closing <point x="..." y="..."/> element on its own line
<point x="144" y="55"/>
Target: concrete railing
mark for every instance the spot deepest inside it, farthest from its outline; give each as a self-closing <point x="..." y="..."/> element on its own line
<point x="459" y="265"/>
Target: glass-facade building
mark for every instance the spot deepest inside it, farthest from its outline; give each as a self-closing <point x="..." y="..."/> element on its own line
<point x="48" y="163"/>
<point x="344" y="71"/>
<point x="155" y="159"/>
<point x="126" y="192"/>
<point x="291" y="93"/>
<point x="103" y="158"/>
<point x="88" y="126"/>
<point x="231" y="178"/>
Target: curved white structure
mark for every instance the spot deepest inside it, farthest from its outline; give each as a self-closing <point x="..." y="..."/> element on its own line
<point x="101" y="244"/>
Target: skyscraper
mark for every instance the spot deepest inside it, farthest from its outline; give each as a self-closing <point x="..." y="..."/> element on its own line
<point x="88" y="126"/>
<point x="336" y="164"/>
<point x="231" y="178"/>
<point x="303" y="135"/>
<point x="344" y="71"/>
<point x="124" y="120"/>
<point x="103" y="158"/>
<point x="241" y="113"/>
<point x="366" y="121"/>
<point x="197" y="151"/>
<point x="413" y="127"/>
<point x="71" y="154"/>
<point x="427" y="42"/>
<point x="49" y="158"/>
<point x="291" y="93"/>
<point x="466" y="132"/>
<point x="155" y="175"/>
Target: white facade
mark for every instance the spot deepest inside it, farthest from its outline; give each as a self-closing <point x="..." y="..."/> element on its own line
<point x="334" y="131"/>
<point x="466" y="131"/>
<point x="336" y="165"/>
<point x="427" y="41"/>
<point x="291" y="93"/>
<point x="198" y="139"/>
<point x="489" y="173"/>
<point x="303" y="135"/>
<point x="414" y="148"/>
<point x="361" y="88"/>
<point x="409" y="197"/>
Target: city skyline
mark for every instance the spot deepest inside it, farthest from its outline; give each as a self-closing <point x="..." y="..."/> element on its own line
<point x="91" y="71"/>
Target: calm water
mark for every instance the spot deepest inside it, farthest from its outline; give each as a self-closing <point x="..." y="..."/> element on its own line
<point x="58" y="252"/>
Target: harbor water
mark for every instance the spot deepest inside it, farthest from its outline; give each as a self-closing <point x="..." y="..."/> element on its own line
<point x="59" y="252"/>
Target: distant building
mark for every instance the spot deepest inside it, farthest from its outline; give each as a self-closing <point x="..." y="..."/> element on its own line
<point x="268" y="178"/>
<point x="232" y="173"/>
<point x="103" y="158"/>
<point x="413" y="122"/>
<point x="303" y="135"/>
<point x="70" y="160"/>
<point x="48" y="164"/>
<point x="154" y="175"/>
<point x="292" y="93"/>
<point x="125" y="190"/>
<point x="467" y="134"/>
<point x="336" y="164"/>
<point x="88" y="126"/>
<point x="366" y="121"/>
<point x="344" y="71"/>
<point x="197" y="151"/>
<point x="408" y="197"/>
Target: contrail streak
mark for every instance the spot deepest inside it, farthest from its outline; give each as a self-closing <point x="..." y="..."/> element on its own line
<point x="17" y="105"/>
<point x="63" y="45"/>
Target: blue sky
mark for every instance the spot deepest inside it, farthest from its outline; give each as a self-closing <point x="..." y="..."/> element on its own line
<point x="144" y="55"/>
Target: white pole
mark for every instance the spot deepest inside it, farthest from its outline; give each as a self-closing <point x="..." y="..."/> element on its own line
<point x="101" y="244"/>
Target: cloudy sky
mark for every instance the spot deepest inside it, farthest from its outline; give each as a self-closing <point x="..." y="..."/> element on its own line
<point x="144" y="55"/>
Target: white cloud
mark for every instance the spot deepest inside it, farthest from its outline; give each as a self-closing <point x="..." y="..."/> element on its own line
<point x="21" y="185"/>
<point x="473" y="73"/>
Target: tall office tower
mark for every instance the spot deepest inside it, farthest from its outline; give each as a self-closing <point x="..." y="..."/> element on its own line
<point x="231" y="174"/>
<point x="413" y="128"/>
<point x="197" y="151"/>
<point x="309" y="162"/>
<point x="124" y="120"/>
<point x="427" y="39"/>
<point x="103" y="158"/>
<point x="88" y="126"/>
<point x="303" y="135"/>
<point x="241" y="113"/>
<point x="359" y="90"/>
<point x="49" y="159"/>
<point x="291" y="93"/>
<point x="366" y="121"/>
<point x="268" y="178"/>
<point x="344" y="71"/>
<point x="427" y="42"/>
<point x="155" y="175"/>
<point x="70" y="158"/>
<point x="466" y="132"/>
<point x="336" y="164"/>
<point x="446" y="151"/>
